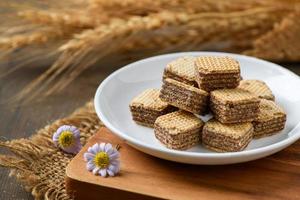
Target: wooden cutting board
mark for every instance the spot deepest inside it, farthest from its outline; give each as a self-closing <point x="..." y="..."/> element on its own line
<point x="146" y="177"/>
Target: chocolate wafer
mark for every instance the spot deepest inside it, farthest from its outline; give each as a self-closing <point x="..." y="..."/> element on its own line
<point x="182" y="70"/>
<point x="216" y="72"/>
<point x="178" y="130"/>
<point x="147" y="106"/>
<point x="257" y="87"/>
<point x="184" y="96"/>
<point x="234" y="105"/>
<point x="271" y="119"/>
<point x="226" y="137"/>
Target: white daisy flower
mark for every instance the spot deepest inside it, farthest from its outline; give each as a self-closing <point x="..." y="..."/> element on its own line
<point x="68" y="139"/>
<point x="102" y="159"/>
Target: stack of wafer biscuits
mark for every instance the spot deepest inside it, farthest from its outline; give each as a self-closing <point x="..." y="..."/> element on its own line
<point x="147" y="106"/>
<point x="241" y="109"/>
<point x="182" y="70"/>
<point x="226" y="137"/>
<point x="234" y="105"/>
<point x="215" y="72"/>
<point x="178" y="130"/>
<point x="270" y="120"/>
<point x="257" y="87"/>
<point x="184" y="96"/>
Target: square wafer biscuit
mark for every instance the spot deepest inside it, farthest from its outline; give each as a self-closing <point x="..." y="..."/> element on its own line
<point x="182" y="70"/>
<point x="216" y="72"/>
<point x="184" y="96"/>
<point x="257" y="87"/>
<point x="271" y="119"/>
<point x="234" y="105"/>
<point x="226" y="137"/>
<point x="147" y="106"/>
<point x="178" y="130"/>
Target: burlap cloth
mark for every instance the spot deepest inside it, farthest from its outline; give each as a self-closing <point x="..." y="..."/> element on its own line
<point x="38" y="164"/>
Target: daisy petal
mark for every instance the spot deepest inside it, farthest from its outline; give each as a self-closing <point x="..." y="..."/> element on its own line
<point x="114" y="168"/>
<point x="110" y="173"/>
<point x="56" y="135"/>
<point x="115" y="151"/>
<point x="90" y="150"/>
<point x="90" y="166"/>
<point x="102" y="146"/>
<point x="95" y="170"/>
<point x="115" y="162"/>
<point x="60" y="129"/>
<point x="114" y="156"/>
<point x="95" y="148"/>
<point x="108" y="147"/>
<point x="76" y="133"/>
<point x="110" y="151"/>
<point x="88" y="156"/>
<point x="78" y="147"/>
<point x="65" y="128"/>
<point x="73" y="128"/>
<point x="103" y="172"/>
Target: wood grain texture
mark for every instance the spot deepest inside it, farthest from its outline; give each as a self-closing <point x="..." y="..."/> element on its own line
<point x="274" y="177"/>
<point x="18" y="121"/>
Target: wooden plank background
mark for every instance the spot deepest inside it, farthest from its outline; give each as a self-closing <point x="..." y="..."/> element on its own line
<point x="18" y="121"/>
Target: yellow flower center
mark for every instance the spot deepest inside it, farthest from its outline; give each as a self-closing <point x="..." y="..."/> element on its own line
<point x="66" y="139"/>
<point x="101" y="160"/>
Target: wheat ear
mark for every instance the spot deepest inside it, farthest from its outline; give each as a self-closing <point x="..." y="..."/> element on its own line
<point x="144" y="7"/>
<point x="75" y="53"/>
<point x="76" y="50"/>
<point x="77" y="20"/>
<point x="280" y="44"/>
<point x="208" y="27"/>
<point x="37" y="37"/>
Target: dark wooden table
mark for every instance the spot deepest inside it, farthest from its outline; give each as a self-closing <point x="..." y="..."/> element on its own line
<point x="18" y="121"/>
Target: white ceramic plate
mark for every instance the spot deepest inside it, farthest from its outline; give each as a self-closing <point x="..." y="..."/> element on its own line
<point x="116" y="91"/>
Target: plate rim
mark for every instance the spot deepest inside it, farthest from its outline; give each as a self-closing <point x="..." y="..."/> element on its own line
<point x="261" y="150"/>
